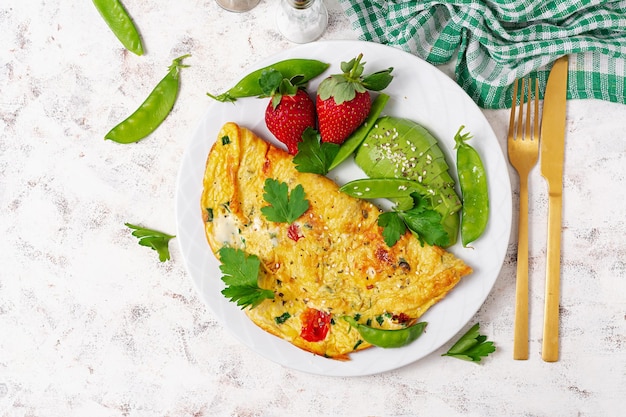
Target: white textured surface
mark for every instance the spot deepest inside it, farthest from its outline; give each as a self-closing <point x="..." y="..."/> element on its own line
<point x="91" y="324"/>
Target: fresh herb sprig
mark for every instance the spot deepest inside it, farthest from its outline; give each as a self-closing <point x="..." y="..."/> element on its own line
<point x="241" y="276"/>
<point x="424" y="222"/>
<point x="153" y="239"/>
<point x="313" y="155"/>
<point x="285" y="206"/>
<point x="472" y="346"/>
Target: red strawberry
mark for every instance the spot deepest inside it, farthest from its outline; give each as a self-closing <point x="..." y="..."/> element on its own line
<point x="338" y="121"/>
<point x="288" y="117"/>
<point x="343" y="101"/>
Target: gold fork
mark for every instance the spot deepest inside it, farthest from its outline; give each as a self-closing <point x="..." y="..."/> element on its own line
<point x="523" y="150"/>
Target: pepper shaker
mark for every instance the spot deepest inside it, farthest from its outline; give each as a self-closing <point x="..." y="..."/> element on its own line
<point x="301" y="21"/>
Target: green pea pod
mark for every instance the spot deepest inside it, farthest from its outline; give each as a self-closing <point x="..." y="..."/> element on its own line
<point x="249" y="85"/>
<point x="153" y="110"/>
<point x="386" y="338"/>
<point x="474" y="189"/>
<point x="358" y="136"/>
<point x="384" y="188"/>
<point x="120" y="24"/>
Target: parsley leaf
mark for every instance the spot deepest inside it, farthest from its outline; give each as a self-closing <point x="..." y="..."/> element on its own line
<point x="314" y="155"/>
<point x="269" y="81"/>
<point x="241" y="276"/>
<point x="472" y="346"/>
<point x="284" y="207"/>
<point x="424" y="222"/>
<point x="393" y="227"/>
<point x="153" y="239"/>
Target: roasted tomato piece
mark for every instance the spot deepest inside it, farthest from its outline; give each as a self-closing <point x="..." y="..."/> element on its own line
<point x="315" y="325"/>
<point x="293" y="232"/>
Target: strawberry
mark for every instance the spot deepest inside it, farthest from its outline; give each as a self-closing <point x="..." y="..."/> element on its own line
<point x="343" y="101"/>
<point x="288" y="119"/>
<point x="288" y="114"/>
<point x="337" y="122"/>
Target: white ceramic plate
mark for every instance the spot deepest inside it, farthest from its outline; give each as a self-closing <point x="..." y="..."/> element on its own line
<point x="420" y="92"/>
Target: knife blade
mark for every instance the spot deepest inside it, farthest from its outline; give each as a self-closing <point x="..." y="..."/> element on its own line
<point x="552" y="156"/>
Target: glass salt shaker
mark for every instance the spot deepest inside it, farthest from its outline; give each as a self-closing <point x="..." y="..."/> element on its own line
<point x="301" y="21"/>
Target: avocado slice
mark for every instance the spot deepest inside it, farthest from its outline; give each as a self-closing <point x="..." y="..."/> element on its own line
<point x="401" y="148"/>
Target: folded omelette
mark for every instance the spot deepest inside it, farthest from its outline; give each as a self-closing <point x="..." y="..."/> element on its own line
<point x="330" y="262"/>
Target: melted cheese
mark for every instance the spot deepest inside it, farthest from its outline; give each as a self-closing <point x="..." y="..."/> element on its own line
<point x="226" y="230"/>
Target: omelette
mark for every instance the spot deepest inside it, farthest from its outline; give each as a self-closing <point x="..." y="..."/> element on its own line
<point x="329" y="263"/>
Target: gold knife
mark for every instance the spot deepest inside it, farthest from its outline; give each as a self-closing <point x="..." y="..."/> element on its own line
<point x="552" y="153"/>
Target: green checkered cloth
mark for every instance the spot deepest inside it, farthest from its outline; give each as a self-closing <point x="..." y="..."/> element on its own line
<point x="497" y="41"/>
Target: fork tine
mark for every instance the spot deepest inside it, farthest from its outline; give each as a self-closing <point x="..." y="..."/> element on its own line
<point x="529" y="115"/>
<point x="513" y="104"/>
<point x="536" y="121"/>
<point x="520" y="119"/>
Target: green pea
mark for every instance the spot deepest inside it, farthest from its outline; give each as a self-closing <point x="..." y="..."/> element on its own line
<point x="474" y="189"/>
<point x="120" y="24"/>
<point x="386" y="338"/>
<point x="153" y="110"/>
<point x="249" y="85"/>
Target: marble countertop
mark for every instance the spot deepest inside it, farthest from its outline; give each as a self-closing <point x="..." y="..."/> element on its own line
<point x="92" y="324"/>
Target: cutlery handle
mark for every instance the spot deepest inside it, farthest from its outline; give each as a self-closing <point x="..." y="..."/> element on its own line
<point x="550" y="348"/>
<point x="520" y="335"/>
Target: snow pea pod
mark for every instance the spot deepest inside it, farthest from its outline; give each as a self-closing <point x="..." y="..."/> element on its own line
<point x="249" y="85"/>
<point x="397" y="190"/>
<point x="384" y="188"/>
<point x="120" y="23"/>
<point x="153" y="110"/>
<point x="386" y="338"/>
<point x="474" y="189"/>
